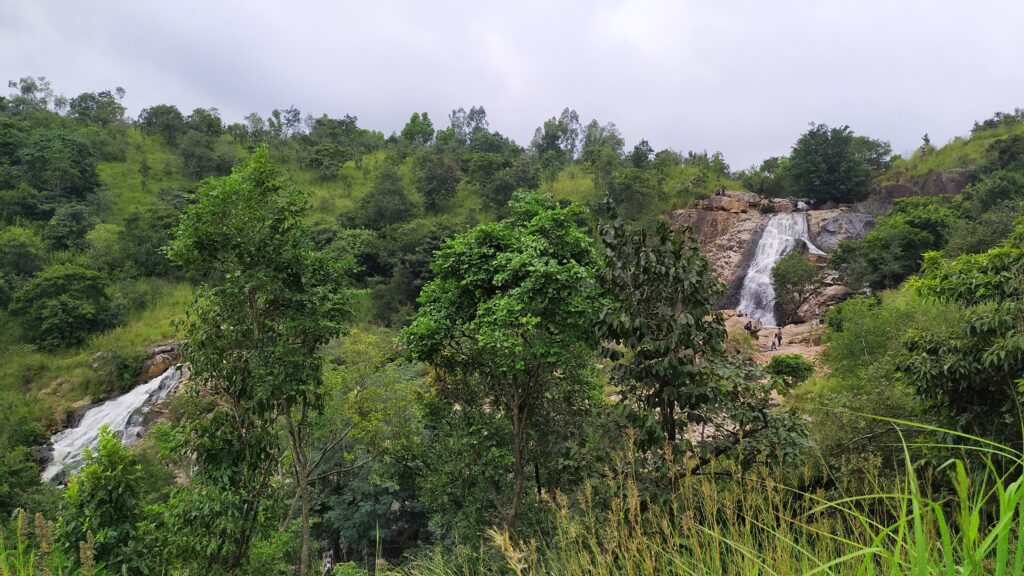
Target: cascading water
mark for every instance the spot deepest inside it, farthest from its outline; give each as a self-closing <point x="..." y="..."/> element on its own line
<point x="781" y="233"/>
<point x="123" y="414"/>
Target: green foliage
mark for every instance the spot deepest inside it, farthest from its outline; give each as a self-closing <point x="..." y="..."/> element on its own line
<point x="862" y="381"/>
<point x="894" y="249"/>
<point x="419" y="129"/>
<point x="790" y="370"/>
<point x="386" y="203"/>
<point x="164" y="120"/>
<point x="507" y="320"/>
<point x="366" y="484"/>
<point x="22" y="254"/>
<point x="63" y="304"/>
<point x="794" y="279"/>
<point x="770" y="179"/>
<point x="60" y="164"/>
<point x="105" y="499"/>
<point x="660" y="321"/>
<point x="69" y="225"/>
<point x="260" y="275"/>
<point x="436" y="179"/>
<point x="835" y="164"/>
<point x="972" y="369"/>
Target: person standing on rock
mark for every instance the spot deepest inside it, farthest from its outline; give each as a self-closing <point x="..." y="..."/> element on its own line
<point x="778" y="336"/>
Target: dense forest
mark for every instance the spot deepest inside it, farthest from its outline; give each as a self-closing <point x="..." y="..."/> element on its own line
<point x="439" y="351"/>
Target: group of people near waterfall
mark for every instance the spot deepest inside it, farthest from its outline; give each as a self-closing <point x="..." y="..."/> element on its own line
<point x="751" y="331"/>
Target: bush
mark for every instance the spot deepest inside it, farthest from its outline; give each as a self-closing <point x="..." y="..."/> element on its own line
<point x="104" y="500"/>
<point x="63" y="304"/>
<point x="789" y="369"/>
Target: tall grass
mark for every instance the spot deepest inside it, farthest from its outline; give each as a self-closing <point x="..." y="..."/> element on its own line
<point x="970" y="523"/>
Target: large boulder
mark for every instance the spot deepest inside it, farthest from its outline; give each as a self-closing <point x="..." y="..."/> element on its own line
<point x="822" y="300"/>
<point x="159" y="358"/>
<point x="829" y="228"/>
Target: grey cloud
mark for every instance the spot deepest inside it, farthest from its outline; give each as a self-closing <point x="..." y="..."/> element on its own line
<point x="743" y="77"/>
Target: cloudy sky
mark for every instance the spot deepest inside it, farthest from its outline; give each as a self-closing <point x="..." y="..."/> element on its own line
<point x="743" y="77"/>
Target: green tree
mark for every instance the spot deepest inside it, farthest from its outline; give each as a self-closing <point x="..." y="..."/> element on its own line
<point x="419" y="129"/>
<point x="794" y="279"/>
<point x="507" y="318"/>
<point x="789" y="370"/>
<point x="666" y="344"/>
<point x="894" y="249"/>
<point x="266" y="302"/>
<point x="105" y="498"/>
<point x="60" y="164"/>
<point x="386" y="203"/>
<point x="97" y="108"/>
<point x="972" y="369"/>
<point x="834" y="164"/>
<point x="641" y="155"/>
<point x="22" y="252"/>
<point x="69" y="225"/>
<point x="164" y="120"/>
<point x="437" y="177"/>
<point x="105" y="251"/>
<point x="659" y="321"/>
<point x="770" y="179"/>
<point x="63" y="304"/>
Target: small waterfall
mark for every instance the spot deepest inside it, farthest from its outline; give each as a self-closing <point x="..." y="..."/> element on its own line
<point x="123" y="414"/>
<point x="781" y="233"/>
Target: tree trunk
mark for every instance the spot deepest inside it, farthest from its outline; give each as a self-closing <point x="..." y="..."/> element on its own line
<point x="519" y="439"/>
<point x="304" y="497"/>
<point x="302" y="473"/>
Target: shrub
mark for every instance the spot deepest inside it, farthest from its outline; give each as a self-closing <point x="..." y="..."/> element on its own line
<point x="63" y="304"/>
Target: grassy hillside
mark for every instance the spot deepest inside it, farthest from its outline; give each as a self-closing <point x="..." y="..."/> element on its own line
<point x="961" y="152"/>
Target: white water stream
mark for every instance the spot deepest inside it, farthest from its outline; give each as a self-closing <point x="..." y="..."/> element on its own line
<point x="123" y="414"/>
<point x="781" y="233"/>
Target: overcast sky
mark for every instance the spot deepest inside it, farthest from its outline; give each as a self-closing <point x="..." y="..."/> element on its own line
<point x="741" y="77"/>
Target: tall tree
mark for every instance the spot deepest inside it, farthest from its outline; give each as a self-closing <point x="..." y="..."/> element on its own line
<point x="835" y="164"/>
<point x="661" y="315"/>
<point x="794" y="278"/>
<point x="265" y="303"/>
<point x="507" y="316"/>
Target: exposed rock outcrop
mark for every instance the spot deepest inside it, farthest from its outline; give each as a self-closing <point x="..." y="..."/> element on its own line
<point x="159" y="358"/>
<point x="829" y="227"/>
<point x="822" y="300"/>
<point x="940" y="183"/>
<point x="945" y="182"/>
<point x="733" y="201"/>
<point x="727" y="238"/>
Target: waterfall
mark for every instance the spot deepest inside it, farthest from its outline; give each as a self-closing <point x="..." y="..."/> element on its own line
<point x="123" y="414"/>
<point x="781" y="233"/>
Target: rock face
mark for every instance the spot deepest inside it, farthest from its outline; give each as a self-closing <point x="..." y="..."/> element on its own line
<point x="159" y="358"/>
<point x="822" y="300"/>
<point x="733" y="201"/>
<point x="829" y="227"/>
<point x="939" y="183"/>
<point x="945" y="182"/>
<point x="727" y="238"/>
